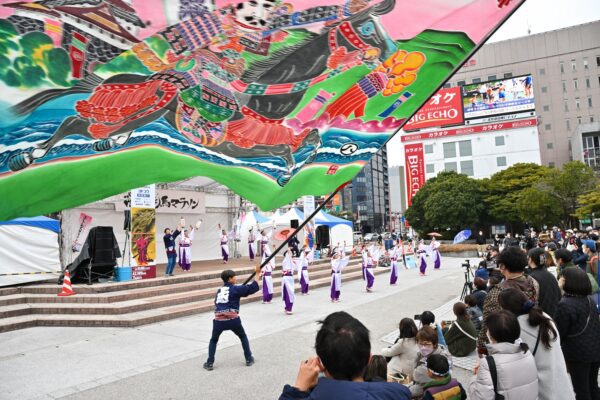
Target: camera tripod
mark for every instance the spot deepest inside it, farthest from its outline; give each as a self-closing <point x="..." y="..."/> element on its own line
<point x="468" y="285"/>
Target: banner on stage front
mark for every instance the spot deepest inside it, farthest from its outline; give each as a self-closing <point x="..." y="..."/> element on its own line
<point x="415" y="169"/>
<point x="143" y="233"/>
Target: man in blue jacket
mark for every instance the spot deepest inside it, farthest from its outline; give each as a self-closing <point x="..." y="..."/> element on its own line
<point x="343" y="349"/>
<point x="227" y="314"/>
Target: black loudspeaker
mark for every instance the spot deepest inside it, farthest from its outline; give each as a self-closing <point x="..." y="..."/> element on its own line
<point x="103" y="252"/>
<point x="294" y="223"/>
<point x="127" y="220"/>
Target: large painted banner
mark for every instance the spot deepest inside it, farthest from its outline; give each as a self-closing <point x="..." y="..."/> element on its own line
<point x="415" y="169"/>
<point x="273" y="99"/>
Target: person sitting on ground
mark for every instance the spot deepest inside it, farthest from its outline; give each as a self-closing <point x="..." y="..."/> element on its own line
<point x="404" y="352"/>
<point x="481" y="291"/>
<point x="376" y="370"/>
<point x="511" y="262"/>
<point x="442" y="385"/>
<point x="428" y="318"/>
<point x="539" y="333"/>
<point x="564" y="260"/>
<point x="427" y="340"/>
<point x="474" y="312"/>
<point x="549" y="291"/>
<point x="343" y="350"/>
<point x="462" y="336"/>
<point x="579" y="328"/>
<point x="509" y="370"/>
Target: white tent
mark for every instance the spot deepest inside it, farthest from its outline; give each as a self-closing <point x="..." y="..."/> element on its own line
<point x="340" y="230"/>
<point x="29" y="248"/>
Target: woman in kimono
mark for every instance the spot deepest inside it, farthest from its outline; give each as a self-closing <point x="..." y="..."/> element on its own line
<point x="223" y="240"/>
<point x="265" y="238"/>
<point x="287" y="281"/>
<point x="369" y="272"/>
<point x="267" y="279"/>
<point x="185" y="249"/>
<point x="251" y="240"/>
<point x="422" y="252"/>
<point x="435" y="253"/>
<point x="303" y="270"/>
<point x="363" y="253"/>
<point x="337" y="265"/>
<point x="395" y="253"/>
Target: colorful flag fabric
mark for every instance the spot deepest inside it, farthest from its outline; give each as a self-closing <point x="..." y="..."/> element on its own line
<point x="274" y="100"/>
<point x="462" y="236"/>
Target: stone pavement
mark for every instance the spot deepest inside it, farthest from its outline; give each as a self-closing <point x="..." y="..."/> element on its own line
<point x="164" y="360"/>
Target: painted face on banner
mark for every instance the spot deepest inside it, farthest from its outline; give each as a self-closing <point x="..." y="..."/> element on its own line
<point x="254" y="13"/>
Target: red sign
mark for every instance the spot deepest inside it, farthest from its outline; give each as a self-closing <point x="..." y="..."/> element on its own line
<point x="143" y="272"/>
<point x="443" y="108"/>
<point x="469" y="130"/>
<point x="332" y="170"/>
<point x="415" y="169"/>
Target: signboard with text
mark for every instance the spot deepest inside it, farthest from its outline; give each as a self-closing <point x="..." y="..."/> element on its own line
<point x="503" y="96"/>
<point x="143" y="232"/>
<point x="469" y="130"/>
<point x="415" y="169"/>
<point x="443" y="108"/>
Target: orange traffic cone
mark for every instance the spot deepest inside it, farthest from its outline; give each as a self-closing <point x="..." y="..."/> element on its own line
<point x="67" y="290"/>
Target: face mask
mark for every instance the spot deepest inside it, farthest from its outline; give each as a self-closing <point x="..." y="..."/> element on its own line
<point x="426" y="350"/>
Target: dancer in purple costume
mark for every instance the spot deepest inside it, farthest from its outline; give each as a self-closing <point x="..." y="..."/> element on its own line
<point x="422" y="252"/>
<point x="287" y="281"/>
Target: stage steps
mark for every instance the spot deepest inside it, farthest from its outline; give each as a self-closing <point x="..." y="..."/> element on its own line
<point x="135" y="303"/>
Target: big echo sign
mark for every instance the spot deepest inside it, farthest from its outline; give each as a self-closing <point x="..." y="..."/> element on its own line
<point x="415" y="169"/>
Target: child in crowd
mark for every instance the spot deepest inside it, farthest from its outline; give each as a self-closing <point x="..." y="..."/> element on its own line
<point x="474" y="312"/>
<point x="427" y="318"/>
<point x="376" y="370"/>
<point x="427" y="340"/>
<point x="442" y="385"/>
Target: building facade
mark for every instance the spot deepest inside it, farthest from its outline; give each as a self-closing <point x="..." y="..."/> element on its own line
<point x="586" y="145"/>
<point x="565" y="65"/>
<point x="367" y="197"/>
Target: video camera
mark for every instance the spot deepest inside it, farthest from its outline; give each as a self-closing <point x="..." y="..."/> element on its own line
<point x="466" y="264"/>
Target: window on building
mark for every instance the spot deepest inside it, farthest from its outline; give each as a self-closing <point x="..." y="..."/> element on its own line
<point x="588" y="82"/>
<point x="590" y="102"/>
<point x="591" y="119"/>
<point x="575" y="84"/>
<point x="464" y="148"/>
<point x="428" y="148"/>
<point x="544" y="89"/>
<point x="585" y="63"/>
<point x="476" y="80"/>
<point x="562" y="67"/>
<point x="579" y="120"/>
<point x="568" y="124"/>
<point x="597" y="61"/>
<point x="551" y="164"/>
<point x="460" y="83"/>
<point x="450" y="150"/>
<point x="573" y="65"/>
<point x="577" y="103"/>
<point x="499" y="140"/>
<point x="542" y="71"/>
<point x="466" y="167"/>
<point x="501" y="161"/>
<point x="566" y="104"/>
<point x="492" y="78"/>
<point x="430" y="168"/>
<point x="450" y="166"/>
<point x="508" y="75"/>
<point x="548" y="127"/>
<point x="564" y="85"/>
<point x="549" y="145"/>
<point x="546" y="108"/>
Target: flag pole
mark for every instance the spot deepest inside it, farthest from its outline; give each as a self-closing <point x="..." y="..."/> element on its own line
<point x="302" y="225"/>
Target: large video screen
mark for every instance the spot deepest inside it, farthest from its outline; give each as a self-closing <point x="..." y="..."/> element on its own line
<point x="505" y="96"/>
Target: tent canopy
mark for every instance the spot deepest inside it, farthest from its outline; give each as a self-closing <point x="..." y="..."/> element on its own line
<point x="324" y="218"/>
<point x="261" y="219"/>
<point x="36" y="222"/>
<point x="284" y="219"/>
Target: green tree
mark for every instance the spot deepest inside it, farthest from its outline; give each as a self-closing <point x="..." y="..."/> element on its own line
<point x="538" y="207"/>
<point x="589" y="203"/>
<point x="450" y="200"/>
<point x="574" y="179"/>
<point x="502" y="190"/>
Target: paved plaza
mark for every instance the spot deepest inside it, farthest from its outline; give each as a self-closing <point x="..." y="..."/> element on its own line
<point x="164" y="360"/>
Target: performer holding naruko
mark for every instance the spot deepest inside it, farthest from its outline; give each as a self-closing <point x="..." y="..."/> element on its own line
<point x="227" y="314"/>
<point x="169" y="239"/>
